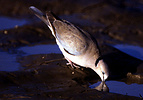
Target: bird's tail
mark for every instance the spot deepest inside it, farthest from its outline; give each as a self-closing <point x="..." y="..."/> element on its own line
<point x="39" y="14"/>
<point x="47" y="18"/>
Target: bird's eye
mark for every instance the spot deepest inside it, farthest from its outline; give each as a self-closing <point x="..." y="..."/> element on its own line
<point x="103" y="72"/>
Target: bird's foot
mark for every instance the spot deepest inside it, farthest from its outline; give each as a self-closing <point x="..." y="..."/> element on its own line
<point x="76" y="66"/>
<point x="71" y="63"/>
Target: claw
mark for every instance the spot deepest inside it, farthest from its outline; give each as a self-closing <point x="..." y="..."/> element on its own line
<point x="71" y="63"/>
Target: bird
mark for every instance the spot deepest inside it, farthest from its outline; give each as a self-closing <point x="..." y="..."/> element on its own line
<point x="78" y="46"/>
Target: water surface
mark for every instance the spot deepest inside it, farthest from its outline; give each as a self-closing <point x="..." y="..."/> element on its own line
<point x="132" y="50"/>
<point x="40" y="49"/>
<point x="8" y="62"/>
<point x="7" y="22"/>
<point x="122" y="88"/>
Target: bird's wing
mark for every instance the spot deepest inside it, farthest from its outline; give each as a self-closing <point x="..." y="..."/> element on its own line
<point x="72" y="39"/>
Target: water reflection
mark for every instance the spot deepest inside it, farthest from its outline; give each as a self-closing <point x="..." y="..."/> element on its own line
<point x="120" y="88"/>
<point x="101" y="87"/>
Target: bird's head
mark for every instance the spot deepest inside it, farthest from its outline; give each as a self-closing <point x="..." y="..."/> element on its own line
<point x="101" y="69"/>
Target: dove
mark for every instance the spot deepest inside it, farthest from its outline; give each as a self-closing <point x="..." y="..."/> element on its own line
<point x="77" y="46"/>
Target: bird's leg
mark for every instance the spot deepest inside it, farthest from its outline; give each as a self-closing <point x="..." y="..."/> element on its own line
<point x="71" y="63"/>
<point x="76" y="66"/>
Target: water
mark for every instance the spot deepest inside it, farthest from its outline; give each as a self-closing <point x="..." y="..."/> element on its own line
<point x="8" y="61"/>
<point x="7" y="22"/>
<point x="122" y="88"/>
<point x="40" y="49"/>
<point x="132" y="50"/>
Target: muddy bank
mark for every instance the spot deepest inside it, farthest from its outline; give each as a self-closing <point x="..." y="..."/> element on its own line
<point x="21" y="8"/>
<point x="53" y="80"/>
<point x="42" y="76"/>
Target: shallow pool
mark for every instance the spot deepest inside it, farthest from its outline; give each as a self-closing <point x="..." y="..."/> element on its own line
<point x="132" y="50"/>
<point x="8" y="61"/>
<point x="8" y="22"/>
<point x="40" y="49"/>
<point x="122" y="88"/>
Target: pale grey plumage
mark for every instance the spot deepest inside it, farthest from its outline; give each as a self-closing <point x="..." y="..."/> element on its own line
<point x="76" y="45"/>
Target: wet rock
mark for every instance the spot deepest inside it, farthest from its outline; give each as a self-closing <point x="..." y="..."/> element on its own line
<point x="134" y="78"/>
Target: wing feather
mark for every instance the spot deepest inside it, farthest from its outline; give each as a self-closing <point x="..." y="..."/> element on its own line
<point x="70" y="37"/>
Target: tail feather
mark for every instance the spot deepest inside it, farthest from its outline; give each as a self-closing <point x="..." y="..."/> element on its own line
<point x="39" y="14"/>
<point x="48" y="19"/>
